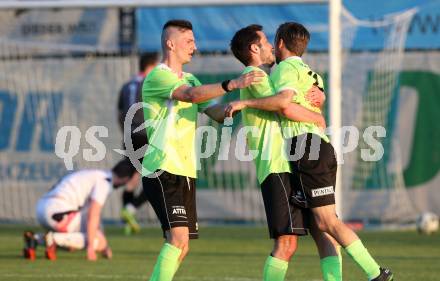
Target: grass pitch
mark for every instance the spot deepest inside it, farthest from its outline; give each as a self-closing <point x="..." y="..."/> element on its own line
<point x="221" y="254"/>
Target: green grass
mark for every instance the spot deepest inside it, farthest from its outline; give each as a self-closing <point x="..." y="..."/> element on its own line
<point x="221" y="254"/>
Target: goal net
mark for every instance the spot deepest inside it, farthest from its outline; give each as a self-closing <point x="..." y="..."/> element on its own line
<point x="373" y="187"/>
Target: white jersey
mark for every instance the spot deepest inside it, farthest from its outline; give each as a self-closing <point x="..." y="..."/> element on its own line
<point x="78" y="188"/>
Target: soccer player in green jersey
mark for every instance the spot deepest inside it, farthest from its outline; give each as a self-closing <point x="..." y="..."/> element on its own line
<point x="314" y="174"/>
<point x="172" y="99"/>
<point x="285" y="219"/>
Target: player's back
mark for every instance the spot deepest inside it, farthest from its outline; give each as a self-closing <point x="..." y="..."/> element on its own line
<point x="76" y="188"/>
<point x="307" y="78"/>
<point x="293" y="74"/>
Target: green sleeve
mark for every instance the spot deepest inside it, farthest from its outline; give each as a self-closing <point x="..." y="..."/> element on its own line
<point x="262" y="89"/>
<point x="160" y="83"/>
<point x="285" y="77"/>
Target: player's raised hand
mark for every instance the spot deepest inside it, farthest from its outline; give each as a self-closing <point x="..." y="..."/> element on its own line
<point x="233" y="107"/>
<point x="315" y="96"/>
<point x="246" y="80"/>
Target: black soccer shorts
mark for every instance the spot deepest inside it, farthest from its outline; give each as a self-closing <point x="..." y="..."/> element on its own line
<point x="314" y="174"/>
<point x="283" y="217"/>
<point x="173" y="199"/>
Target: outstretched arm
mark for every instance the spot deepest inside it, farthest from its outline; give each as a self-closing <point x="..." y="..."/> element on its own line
<point x="207" y="92"/>
<point x="92" y="228"/>
<point x="280" y="103"/>
<point x="299" y="113"/>
<point x="276" y="102"/>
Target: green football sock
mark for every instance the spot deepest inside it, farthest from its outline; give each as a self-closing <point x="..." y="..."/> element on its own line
<point x="166" y="264"/>
<point x="360" y="255"/>
<point x="274" y="269"/>
<point x="331" y="268"/>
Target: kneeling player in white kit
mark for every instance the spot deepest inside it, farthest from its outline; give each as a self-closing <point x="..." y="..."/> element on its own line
<point x="71" y="212"/>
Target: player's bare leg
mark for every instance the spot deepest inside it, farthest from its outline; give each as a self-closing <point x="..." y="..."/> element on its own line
<point x="171" y="255"/>
<point x="328" y="222"/>
<point x="179" y="237"/>
<point x="284" y="247"/>
<point x="277" y="263"/>
<point x="329" y="253"/>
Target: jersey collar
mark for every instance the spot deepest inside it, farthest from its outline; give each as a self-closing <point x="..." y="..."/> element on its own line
<point x="294" y="58"/>
<point x="164" y="66"/>
<point x="263" y="67"/>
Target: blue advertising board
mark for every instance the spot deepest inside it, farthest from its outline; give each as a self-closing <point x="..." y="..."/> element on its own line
<point x="214" y="26"/>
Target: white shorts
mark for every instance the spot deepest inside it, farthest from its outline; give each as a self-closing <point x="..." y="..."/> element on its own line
<point x="48" y="209"/>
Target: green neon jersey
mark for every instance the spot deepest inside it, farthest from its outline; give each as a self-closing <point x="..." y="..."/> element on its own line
<point x="264" y="138"/>
<point x="171" y="124"/>
<point x="293" y="74"/>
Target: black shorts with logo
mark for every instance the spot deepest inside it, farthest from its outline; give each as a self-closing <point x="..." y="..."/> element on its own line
<point x="283" y="217"/>
<point x="313" y="174"/>
<point x="173" y="199"/>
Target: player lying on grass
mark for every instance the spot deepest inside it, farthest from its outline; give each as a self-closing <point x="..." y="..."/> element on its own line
<point x="71" y="212"/>
<point x="286" y="221"/>
<point x="314" y="174"/>
<point x="173" y="99"/>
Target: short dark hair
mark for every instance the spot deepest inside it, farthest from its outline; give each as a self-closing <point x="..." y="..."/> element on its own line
<point x="295" y="36"/>
<point x="147" y="59"/>
<point x="124" y="168"/>
<point x="180" y="24"/>
<point x="243" y="39"/>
